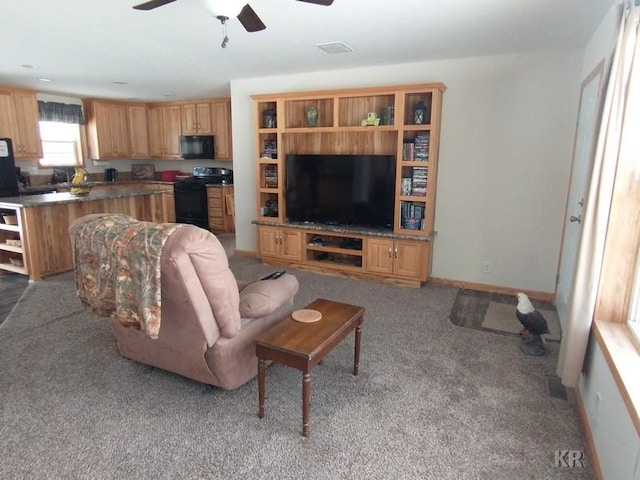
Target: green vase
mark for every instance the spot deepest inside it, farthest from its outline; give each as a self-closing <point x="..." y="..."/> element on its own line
<point x="312" y="116"/>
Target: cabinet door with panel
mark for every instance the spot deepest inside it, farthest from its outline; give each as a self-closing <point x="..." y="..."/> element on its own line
<point x="119" y="124"/>
<point x="396" y="257"/>
<point x="196" y="118"/>
<point x="7" y="113"/>
<point x="27" y="126"/>
<point x="19" y="119"/>
<point x="164" y="131"/>
<point x="107" y="130"/>
<point x="281" y="243"/>
<point x="138" y="131"/>
<point x="221" y="129"/>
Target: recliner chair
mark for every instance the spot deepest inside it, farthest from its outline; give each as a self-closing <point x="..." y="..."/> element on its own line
<point x="208" y="322"/>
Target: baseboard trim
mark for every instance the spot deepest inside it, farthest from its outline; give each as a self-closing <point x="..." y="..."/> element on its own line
<point x="483" y="287"/>
<point x="246" y="253"/>
<point x="588" y="435"/>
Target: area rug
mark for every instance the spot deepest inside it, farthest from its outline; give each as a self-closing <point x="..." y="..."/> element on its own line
<point x="502" y="317"/>
<point x="495" y="312"/>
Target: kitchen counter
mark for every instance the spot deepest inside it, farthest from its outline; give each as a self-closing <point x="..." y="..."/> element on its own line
<point x="62" y="198"/>
<point x="38" y="244"/>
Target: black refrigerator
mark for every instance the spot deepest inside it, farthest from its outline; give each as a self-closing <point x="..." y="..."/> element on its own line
<point x="8" y="177"/>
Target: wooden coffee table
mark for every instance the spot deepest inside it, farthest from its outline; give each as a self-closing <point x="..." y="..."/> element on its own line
<point x="304" y="345"/>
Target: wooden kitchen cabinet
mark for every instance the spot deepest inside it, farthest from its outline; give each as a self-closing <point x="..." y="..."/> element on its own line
<point x="220" y="218"/>
<point x="164" y="131"/>
<point x="107" y="130"/>
<point x="19" y="120"/>
<point x="405" y="258"/>
<point x="168" y="198"/>
<point x="221" y="129"/>
<point x="138" y="131"/>
<point x="196" y="118"/>
<point x="280" y="243"/>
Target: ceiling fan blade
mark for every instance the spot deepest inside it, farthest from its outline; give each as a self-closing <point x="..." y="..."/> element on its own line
<point x="326" y="3"/>
<point x="152" y="4"/>
<point x="250" y="20"/>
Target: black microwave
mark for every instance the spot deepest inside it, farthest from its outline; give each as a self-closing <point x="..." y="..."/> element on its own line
<point x="196" y="147"/>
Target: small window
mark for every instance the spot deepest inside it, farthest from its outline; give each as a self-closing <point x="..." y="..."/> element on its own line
<point x="60" y="144"/>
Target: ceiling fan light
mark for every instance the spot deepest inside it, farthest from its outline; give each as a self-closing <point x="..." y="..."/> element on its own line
<point x="224" y="8"/>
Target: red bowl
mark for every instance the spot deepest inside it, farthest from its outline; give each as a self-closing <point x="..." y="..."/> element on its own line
<point x="169" y="175"/>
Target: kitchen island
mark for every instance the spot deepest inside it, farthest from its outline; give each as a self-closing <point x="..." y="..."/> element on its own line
<point x="34" y="238"/>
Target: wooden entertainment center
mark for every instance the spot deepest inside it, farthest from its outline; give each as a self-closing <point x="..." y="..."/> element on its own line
<point x="408" y="127"/>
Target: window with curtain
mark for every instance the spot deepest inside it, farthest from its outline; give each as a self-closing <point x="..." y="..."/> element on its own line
<point x="60" y="134"/>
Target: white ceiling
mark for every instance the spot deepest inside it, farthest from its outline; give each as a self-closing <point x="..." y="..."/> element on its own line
<point x="173" y="52"/>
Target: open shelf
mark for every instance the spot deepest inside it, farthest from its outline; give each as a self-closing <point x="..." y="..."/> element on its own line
<point x="12" y="251"/>
<point x="10" y="248"/>
<point x="13" y="268"/>
<point x="340" y="250"/>
<point x="296" y="113"/>
<point x="353" y="110"/>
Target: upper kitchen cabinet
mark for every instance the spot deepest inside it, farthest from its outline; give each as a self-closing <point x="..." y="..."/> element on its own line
<point x="107" y="129"/>
<point x="196" y="118"/>
<point x="164" y="130"/>
<point x="19" y="119"/>
<point x="138" y="131"/>
<point x="221" y="128"/>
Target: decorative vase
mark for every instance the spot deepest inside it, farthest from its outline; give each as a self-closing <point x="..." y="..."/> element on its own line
<point x="312" y="116"/>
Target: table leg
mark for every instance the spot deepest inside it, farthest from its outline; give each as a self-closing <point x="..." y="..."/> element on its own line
<point x="356" y="355"/>
<point x="306" y="390"/>
<point x="261" y="374"/>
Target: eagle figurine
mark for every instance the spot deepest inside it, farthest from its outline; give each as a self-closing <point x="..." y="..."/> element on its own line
<point x="534" y="326"/>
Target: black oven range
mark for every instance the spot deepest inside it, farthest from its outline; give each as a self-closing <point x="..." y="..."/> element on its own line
<point x="191" y="194"/>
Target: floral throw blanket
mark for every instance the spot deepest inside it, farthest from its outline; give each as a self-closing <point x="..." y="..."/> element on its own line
<point x="117" y="261"/>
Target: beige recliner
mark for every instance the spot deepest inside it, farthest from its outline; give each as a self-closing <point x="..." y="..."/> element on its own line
<point x="207" y="321"/>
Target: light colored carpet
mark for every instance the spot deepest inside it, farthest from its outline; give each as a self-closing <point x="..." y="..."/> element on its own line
<point x="502" y="317"/>
<point x="432" y="401"/>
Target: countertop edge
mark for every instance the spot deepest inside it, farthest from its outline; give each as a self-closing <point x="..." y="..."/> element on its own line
<point x="321" y="227"/>
<point x="48" y="199"/>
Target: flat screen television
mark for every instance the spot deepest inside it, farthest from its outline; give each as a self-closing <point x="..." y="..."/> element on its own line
<point x="355" y="190"/>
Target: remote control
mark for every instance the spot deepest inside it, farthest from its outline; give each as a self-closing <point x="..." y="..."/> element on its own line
<point x="274" y="275"/>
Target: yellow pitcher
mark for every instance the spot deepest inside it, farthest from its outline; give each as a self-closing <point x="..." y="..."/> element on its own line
<point x="80" y="178"/>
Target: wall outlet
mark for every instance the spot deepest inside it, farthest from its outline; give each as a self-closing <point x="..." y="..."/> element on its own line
<point x="486" y="266"/>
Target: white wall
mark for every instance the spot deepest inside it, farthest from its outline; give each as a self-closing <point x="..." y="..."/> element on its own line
<point x="615" y="439"/>
<point x="507" y="134"/>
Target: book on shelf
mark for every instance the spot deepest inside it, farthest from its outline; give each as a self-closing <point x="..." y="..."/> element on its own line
<point x="271" y="176"/>
<point x="405" y="186"/>
<point x="421" y="146"/>
<point x="412" y="215"/>
<point x="419" y="181"/>
<point x="408" y="150"/>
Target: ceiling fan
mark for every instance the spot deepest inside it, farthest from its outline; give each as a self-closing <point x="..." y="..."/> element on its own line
<point x="226" y="9"/>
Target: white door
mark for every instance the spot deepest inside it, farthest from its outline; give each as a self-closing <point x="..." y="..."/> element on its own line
<point x="582" y="166"/>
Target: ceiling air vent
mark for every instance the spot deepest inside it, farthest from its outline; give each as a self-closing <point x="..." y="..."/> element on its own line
<point x="334" y="47"/>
